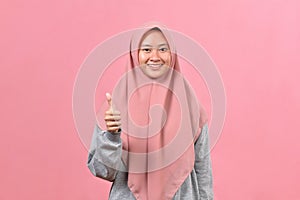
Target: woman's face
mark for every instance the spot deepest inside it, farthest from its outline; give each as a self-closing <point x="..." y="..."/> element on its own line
<point x="154" y="54"/>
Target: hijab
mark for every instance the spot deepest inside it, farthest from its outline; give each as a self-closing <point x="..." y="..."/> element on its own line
<point x="161" y="119"/>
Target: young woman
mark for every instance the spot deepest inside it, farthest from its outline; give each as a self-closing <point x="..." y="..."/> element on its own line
<point x="155" y="146"/>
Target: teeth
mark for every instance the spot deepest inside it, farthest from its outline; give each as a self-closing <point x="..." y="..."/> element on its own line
<point x="154" y="67"/>
<point x="154" y="64"/>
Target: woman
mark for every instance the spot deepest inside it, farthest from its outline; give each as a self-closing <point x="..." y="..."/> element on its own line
<point x="161" y="150"/>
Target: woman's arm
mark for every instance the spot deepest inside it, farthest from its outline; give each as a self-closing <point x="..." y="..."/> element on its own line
<point x="203" y="165"/>
<point x="104" y="157"/>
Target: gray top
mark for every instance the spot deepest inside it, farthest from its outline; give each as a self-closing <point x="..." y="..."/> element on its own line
<point x="107" y="148"/>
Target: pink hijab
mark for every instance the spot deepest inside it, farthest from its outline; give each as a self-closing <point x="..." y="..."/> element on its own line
<point x="161" y="119"/>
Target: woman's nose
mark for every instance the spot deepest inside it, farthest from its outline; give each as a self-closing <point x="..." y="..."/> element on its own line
<point x="155" y="55"/>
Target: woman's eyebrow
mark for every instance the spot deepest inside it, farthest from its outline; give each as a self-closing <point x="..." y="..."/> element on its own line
<point x="163" y="44"/>
<point x="148" y="45"/>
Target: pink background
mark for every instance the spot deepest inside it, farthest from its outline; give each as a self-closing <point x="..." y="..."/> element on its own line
<point x="255" y="45"/>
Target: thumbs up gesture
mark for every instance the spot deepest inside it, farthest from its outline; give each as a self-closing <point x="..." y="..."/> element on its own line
<point x="112" y="117"/>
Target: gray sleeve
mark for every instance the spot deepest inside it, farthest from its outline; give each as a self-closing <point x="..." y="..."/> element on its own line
<point x="105" y="154"/>
<point x="203" y="165"/>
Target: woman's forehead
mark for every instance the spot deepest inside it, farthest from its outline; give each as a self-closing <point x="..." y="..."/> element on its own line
<point x="153" y="37"/>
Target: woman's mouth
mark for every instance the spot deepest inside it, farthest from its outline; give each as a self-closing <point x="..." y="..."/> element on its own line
<point x="154" y="66"/>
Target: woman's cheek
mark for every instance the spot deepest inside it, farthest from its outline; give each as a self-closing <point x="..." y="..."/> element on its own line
<point x="142" y="58"/>
<point x="167" y="60"/>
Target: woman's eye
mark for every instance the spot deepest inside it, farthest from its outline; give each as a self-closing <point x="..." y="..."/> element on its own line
<point x="146" y="50"/>
<point x="164" y="49"/>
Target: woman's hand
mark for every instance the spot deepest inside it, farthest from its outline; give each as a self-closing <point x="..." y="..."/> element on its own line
<point x="112" y="117"/>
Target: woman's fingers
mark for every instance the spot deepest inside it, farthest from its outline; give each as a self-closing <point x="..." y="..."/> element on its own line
<point x="112" y="116"/>
<point x="109" y="101"/>
<point x="113" y="123"/>
<point x="114" y="129"/>
<point x="112" y="112"/>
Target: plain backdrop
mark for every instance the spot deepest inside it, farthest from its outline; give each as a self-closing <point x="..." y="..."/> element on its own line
<point x="255" y="45"/>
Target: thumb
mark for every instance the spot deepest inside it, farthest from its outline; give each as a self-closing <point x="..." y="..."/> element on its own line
<point x="109" y="100"/>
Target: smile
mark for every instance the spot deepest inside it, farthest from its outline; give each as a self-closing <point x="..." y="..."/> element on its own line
<point x="154" y="66"/>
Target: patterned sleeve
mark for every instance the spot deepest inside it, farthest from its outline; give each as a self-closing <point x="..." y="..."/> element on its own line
<point x="203" y="166"/>
<point x="104" y="158"/>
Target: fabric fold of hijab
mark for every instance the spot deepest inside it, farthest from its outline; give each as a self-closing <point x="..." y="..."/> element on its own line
<point x="161" y="120"/>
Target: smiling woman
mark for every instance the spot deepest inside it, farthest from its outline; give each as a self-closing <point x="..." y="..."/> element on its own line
<point x="156" y="145"/>
<point x="154" y="54"/>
